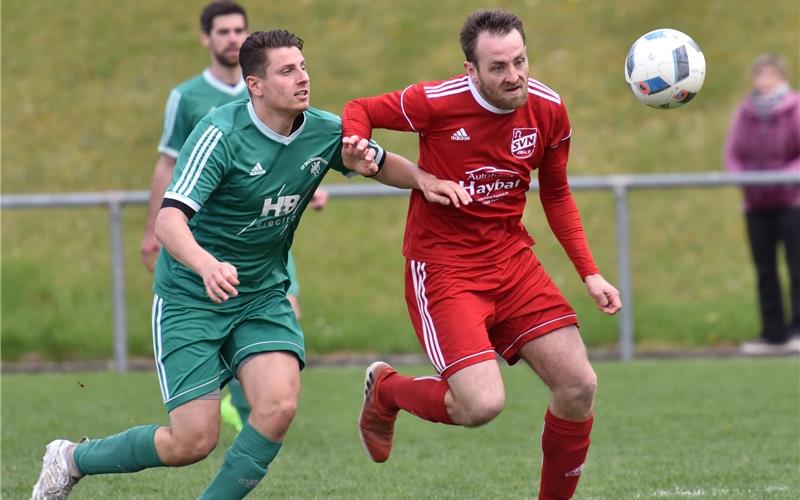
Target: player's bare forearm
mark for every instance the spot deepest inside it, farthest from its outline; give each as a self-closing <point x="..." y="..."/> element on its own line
<point x="172" y="230"/>
<point x="400" y="172"/>
<point x="219" y="278"/>
<point x="162" y="175"/>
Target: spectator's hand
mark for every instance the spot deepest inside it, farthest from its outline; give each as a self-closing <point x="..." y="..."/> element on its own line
<point x="220" y="279"/>
<point x="358" y="157"/>
<point x="149" y="249"/>
<point x="605" y="296"/>
<point x="444" y="192"/>
<point x="319" y="200"/>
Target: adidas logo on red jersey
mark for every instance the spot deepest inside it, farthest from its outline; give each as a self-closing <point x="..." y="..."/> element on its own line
<point x="460" y="135"/>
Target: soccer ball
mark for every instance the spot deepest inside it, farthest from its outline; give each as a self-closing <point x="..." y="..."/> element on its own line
<point x="665" y="69"/>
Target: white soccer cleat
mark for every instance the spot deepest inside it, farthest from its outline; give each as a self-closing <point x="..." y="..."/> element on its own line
<point x="55" y="481"/>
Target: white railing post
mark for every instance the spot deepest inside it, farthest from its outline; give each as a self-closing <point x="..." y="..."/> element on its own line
<point x="625" y="322"/>
<point x="118" y="285"/>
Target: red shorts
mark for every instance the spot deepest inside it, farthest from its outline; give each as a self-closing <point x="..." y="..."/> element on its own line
<point x="463" y="315"/>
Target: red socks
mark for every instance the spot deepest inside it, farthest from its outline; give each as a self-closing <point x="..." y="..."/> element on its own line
<point x="564" y="448"/>
<point x="422" y="396"/>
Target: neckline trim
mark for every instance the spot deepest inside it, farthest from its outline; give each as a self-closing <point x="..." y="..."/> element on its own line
<point x="222" y="86"/>
<point x="271" y="134"/>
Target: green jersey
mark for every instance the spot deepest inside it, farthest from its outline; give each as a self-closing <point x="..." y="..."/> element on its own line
<point x="189" y="102"/>
<point x="247" y="186"/>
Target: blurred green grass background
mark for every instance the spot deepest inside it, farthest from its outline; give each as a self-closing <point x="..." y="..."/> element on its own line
<point x="82" y="106"/>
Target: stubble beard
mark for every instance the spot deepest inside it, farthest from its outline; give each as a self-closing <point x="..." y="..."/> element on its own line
<point x="498" y="98"/>
<point x="228" y="63"/>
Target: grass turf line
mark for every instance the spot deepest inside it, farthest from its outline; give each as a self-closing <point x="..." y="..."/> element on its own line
<point x="664" y="429"/>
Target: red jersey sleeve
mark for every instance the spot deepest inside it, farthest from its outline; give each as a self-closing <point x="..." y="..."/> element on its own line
<point x="557" y="200"/>
<point x="405" y="110"/>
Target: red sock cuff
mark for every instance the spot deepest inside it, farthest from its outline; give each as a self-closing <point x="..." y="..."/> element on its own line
<point x="568" y="427"/>
<point x="436" y="402"/>
<point x="424" y="396"/>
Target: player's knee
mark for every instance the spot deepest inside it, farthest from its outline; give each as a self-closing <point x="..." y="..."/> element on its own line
<point x="579" y="393"/>
<point x="484" y="409"/>
<point x="277" y="415"/>
<point x="195" y="447"/>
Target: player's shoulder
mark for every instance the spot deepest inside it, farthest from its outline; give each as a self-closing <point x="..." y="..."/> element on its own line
<point x="325" y="120"/>
<point x="444" y="89"/>
<point x="229" y="118"/>
<point x="191" y="86"/>
<point x="542" y="95"/>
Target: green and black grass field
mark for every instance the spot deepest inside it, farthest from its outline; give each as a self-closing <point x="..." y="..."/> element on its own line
<point x="83" y="92"/>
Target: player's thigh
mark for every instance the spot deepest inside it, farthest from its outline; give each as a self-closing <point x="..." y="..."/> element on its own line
<point x="449" y="314"/>
<point x="529" y="306"/>
<point x="195" y="419"/>
<point x="270" y="379"/>
<point x="186" y="345"/>
<point x="478" y="384"/>
<point x="560" y="358"/>
<point x="267" y="325"/>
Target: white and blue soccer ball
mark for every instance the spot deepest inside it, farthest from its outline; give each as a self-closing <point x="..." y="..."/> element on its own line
<point x="665" y="69"/>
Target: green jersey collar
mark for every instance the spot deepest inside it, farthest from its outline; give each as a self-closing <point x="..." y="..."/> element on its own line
<point x="262" y="127"/>
<point x="222" y="86"/>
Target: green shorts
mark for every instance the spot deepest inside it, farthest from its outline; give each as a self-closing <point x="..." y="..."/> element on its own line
<point x="198" y="351"/>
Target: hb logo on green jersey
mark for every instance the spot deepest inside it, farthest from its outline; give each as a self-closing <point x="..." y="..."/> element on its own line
<point x="283" y="205"/>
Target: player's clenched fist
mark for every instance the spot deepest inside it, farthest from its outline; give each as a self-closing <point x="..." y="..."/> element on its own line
<point x="220" y="280"/>
<point x="604" y="294"/>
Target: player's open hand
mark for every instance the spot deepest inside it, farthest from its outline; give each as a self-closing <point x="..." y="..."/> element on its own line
<point x="319" y="200"/>
<point x="605" y="296"/>
<point x="220" y="280"/>
<point x="358" y="156"/>
<point x="444" y="192"/>
<point x="149" y="248"/>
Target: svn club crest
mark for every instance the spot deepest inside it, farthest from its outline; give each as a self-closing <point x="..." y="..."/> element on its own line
<point x="523" y="142"/>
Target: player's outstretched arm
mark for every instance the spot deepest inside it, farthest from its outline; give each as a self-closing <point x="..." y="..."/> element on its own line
<point x="400" y="172"/>
<point x="219" y="278"/>
<point x="604" y="294"/>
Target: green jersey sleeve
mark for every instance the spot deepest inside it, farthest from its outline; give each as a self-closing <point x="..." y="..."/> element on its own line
<point x="200" y="167"/>
<point x="177" y="125"/>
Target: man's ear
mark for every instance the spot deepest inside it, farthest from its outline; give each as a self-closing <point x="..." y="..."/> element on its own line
<point x="471" y="70"/>
<point x="254" y="86"/>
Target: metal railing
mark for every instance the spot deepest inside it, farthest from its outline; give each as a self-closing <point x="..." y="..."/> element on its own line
<point x="619" y="185"/>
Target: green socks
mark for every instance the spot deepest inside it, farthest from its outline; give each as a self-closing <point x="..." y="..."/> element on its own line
<point x="128" y="451"/>
<point x="246" y="462"/>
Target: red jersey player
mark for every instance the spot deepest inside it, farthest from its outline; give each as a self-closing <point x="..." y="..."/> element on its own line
<point x="474" y="288"/>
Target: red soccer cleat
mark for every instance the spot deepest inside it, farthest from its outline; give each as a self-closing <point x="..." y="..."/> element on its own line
<point x="376" y="422"/>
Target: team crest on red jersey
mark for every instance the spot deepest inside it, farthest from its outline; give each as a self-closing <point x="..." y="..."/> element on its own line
<point x="523" y="142"/>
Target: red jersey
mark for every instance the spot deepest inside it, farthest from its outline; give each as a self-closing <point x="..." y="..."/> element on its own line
<point x="492" y="153"/>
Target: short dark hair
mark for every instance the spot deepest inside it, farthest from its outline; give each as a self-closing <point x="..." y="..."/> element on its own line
<point x="219" y="8"/>
<point x="496" y="22"/>
<point x="253" y="53"/>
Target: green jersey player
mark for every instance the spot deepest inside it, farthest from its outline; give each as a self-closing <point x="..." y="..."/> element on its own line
<point x="242" y="180"/>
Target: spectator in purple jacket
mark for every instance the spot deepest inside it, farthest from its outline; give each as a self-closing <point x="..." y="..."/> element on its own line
<point x="765" y="135"/>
